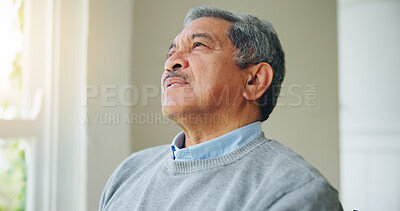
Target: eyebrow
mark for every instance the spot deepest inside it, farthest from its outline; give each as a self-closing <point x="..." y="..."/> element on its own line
<point x="202" y="35"/>
<point x="195" y="35"/>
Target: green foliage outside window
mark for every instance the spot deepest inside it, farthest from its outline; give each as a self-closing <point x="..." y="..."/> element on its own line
<point x="13" y="178"/>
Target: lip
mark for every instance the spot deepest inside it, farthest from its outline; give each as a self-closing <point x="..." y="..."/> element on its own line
<point x="174" y="82"/>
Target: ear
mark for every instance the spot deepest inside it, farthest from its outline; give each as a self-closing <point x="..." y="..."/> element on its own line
<point x="259" y="79"/>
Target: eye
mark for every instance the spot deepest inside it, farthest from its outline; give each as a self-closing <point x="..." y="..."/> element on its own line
<point x="197" y="44"/>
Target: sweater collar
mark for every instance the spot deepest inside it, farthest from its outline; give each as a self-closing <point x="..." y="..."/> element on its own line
<point x="216" y="147"/>
<point x="189" y="166"/>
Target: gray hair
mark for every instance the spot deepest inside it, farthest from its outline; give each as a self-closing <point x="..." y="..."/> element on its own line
<point x="256" y="41"/>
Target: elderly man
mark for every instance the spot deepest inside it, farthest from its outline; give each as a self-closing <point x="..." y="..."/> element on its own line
<point x="221" y="79"/>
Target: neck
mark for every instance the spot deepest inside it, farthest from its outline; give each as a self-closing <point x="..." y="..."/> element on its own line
<point x="204" y="127"/>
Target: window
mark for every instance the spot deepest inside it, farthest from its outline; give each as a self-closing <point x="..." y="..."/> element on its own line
<point x="13" y="148"/>
<point x="52" y="80"/>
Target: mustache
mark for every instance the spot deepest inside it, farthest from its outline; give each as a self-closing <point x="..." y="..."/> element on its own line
<point x="175" y="74"/>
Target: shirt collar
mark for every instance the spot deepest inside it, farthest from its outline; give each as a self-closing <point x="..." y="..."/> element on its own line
<point x="216" y="147"/>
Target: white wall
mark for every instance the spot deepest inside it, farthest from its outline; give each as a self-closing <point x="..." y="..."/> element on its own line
<point x="369" y="55"/>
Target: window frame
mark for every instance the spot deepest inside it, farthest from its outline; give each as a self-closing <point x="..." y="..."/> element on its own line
<point x="55" y="51"/>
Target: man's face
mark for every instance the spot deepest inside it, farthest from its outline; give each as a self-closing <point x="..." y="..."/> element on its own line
<point x="200" y="76"/>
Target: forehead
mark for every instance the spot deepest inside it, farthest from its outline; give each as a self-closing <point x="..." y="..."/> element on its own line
<point x="216" y="28"/>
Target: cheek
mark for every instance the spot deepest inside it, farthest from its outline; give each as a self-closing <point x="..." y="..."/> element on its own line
<point x="213" y="71"/>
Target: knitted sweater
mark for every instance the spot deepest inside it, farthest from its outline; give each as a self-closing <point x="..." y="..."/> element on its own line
<point x="262" y="174"/>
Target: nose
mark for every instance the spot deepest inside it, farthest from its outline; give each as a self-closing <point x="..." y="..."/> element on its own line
<point x="176" y="62"/>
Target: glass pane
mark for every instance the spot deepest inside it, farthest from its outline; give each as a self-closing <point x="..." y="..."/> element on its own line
<point x="13" y="175"/>
<point x="11" y="45"/>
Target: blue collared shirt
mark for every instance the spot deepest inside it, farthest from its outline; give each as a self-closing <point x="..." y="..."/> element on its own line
<point x="216" y="147"/>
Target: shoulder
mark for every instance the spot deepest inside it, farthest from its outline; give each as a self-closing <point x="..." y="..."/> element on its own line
<point x="291" y="181"/>
<point x="316" y="194"/>
<point x="146" y="154"/>
<point x="140" y="158"/>
<point x="286" y="161"/>
<point x="135" y="163"/>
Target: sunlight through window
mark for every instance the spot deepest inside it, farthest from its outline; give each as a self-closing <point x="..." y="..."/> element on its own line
<point x="13" y="170"/>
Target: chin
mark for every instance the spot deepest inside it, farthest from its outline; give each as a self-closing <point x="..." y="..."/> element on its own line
<point x="177" y="112"/>
<point x="165" y="111"/>
<point x="171" y="111"/>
